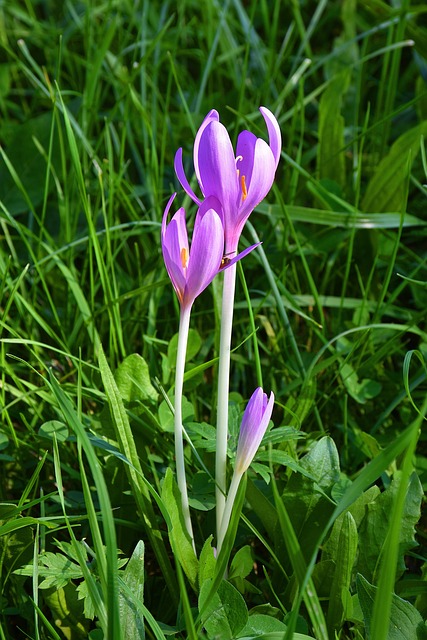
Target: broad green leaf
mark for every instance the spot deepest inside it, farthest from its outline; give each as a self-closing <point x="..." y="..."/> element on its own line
<point x="193" y="346"/>
<point x="261" y="505"/>
<point x="299" y="566"/>
<point x="180" y="541"/>
<point x="67" y="610"/>
<point x="387" y="189"/>
<point x="358" y="511"/>
<point x="16" y="548"/>
<point x="207" y="561"/>
<point x="241" y="566"/>
<point x="225" y="613"/>
<point x="54" y="427"/>
<point x="360" y="390"/>
<point x="331" y="148"/>
<point x="166" y="419"/>
<point x="4" y="441"/>
<point x="405" y="621"/>
<point x="202" y="494"/>
<point x="259" y="623"/>
<point x="133" y="576"/>
<point x="28" y="163"/>
<point x="375" y="526"/>
<point x="133" y="380"/>
<point x="305" y="498"/>
<point x="339" y="598"/>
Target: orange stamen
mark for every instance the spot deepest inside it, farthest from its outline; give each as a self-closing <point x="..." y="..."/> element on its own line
<point x="184" y="257"/>
<point x="244" y="189"/>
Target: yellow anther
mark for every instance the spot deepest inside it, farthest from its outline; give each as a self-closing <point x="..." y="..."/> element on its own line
<point x="184" y="257"/>
<point x="244" y="190"/>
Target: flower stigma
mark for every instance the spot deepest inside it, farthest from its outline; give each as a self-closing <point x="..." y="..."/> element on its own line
<point x="244" y="189"/>
<point x="242" y="180"/>
<point x="184" y="258"/>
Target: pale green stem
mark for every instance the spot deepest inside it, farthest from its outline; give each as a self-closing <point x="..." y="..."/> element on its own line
<point x="223" y="388"/>
<point x="234" y="485"/>
<point x="184" y="323"/>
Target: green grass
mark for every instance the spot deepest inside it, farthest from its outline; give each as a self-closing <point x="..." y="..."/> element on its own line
<point x="95" y="98"/>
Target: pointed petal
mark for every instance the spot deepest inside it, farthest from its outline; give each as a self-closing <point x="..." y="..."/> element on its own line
<point x="254" y="425"/>
<point x="217" y="166"/>
<point x="174" y="240"/>
<point x="180" y="174"/>
<point x="241" y="255"/>
<point x="166" y="213"/>
<point x="212" y="116"/>
<point x="209" y="203"/>
<point x="207" y="248"/>
<point x="245" y="152"/>
<point x="261" y="179"/>
<point x="275" y="137"/>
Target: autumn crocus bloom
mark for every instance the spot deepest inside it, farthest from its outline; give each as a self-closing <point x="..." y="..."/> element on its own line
<point x="254" y="425"/>
<point x="239" y="180"/>
<point x="192" y="270"/>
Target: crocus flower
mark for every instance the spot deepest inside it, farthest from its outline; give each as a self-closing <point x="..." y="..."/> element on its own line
<point x="191" y="271"/>
<point x="239" y="180"/>
<point x="254" y="424"/>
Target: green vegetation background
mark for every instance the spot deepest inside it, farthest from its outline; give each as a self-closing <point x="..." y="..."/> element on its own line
<point x="95" y="98"/>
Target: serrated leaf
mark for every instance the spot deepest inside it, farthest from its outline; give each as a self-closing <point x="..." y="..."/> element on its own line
<point x="56" y="570"/>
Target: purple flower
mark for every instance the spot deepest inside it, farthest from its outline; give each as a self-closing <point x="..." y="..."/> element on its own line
<point x="191" y="271"/>
<point x="238" y="180"/>
<point x="254" y="424"/>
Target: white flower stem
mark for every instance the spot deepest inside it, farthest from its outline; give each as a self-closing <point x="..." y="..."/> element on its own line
<point x="234" y="485"/>
<point x="184" y="323"/>
<point x="223" y="388"/>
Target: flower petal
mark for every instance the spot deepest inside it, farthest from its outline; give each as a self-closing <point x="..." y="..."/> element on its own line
<point x="174" y="241"/>
<point x="212" y="116"/>
<point x="180" y="173"/>
<point x="261" y="179"/>
<point x="216" y="166"/>
<point x="241" y="255"/>
<point x="207" y="248"/>
<point x="275" y="137"/>
<point x="254" y="425"/>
